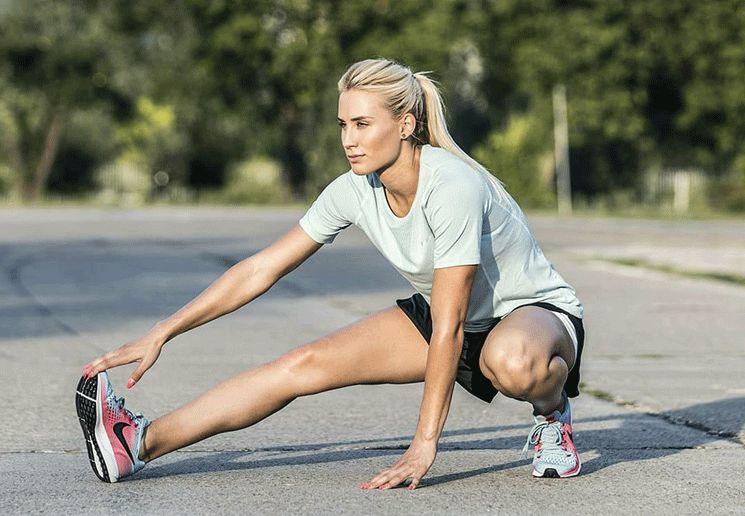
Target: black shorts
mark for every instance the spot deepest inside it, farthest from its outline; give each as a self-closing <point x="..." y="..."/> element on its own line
<point x="469" y="374"/>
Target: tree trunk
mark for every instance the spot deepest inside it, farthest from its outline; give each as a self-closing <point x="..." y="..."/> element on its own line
<point x="38" y="182"/>
<point x="17" y="163"/>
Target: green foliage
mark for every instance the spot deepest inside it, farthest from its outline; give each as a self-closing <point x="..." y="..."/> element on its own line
<point x="195" y="88"/>
<point x="124" y="181"/>
<point x="521" y="158"/>
<point x="151" y="137"/>
<point x="7" y="178"/>
<point x="728" y="191"/>
<point x="256" y="181"/>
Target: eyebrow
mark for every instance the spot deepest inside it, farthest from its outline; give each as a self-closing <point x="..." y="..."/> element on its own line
<point x="356" y="118"/>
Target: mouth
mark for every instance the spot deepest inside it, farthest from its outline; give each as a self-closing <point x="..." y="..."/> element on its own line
<point x="355" y="156"/>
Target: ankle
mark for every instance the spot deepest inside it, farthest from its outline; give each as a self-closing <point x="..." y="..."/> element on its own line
<point x="549" y="408"/>
<point x="142" y="454"/>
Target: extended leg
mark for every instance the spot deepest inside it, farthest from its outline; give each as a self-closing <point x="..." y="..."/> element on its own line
<point x="382" y="348"/>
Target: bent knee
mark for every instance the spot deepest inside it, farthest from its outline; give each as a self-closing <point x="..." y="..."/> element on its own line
<point x="514" y="369"/>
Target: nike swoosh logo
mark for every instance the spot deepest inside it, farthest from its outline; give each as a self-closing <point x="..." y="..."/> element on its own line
<point x="119" y="431"/>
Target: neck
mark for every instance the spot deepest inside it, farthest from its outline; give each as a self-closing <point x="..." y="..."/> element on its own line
<point x="401" y="178"/>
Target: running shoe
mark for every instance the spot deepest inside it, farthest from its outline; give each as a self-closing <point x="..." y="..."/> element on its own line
<point x="112" y="433"/>
<point x="555" y="455"/>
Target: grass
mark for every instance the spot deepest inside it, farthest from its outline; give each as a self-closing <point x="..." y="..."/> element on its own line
<point x="214" y="199"/>
<point x="727" y="277"/>
<point x="605" y="396"/>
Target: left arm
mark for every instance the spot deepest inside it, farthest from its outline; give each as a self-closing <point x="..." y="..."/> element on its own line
<point x="456" y="226"/>
<point x="451" y="290"/>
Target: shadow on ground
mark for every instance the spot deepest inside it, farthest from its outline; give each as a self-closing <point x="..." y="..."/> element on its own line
<point x="631" y="437"/>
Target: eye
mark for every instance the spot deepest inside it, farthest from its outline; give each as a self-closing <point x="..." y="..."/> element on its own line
<point x="361" y="124"/>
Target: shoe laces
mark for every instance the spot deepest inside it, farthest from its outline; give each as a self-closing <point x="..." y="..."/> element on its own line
<point x="546" y="432"/>
<point x="136" y="417"/>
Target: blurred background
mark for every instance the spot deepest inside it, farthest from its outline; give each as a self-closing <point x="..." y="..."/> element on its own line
<point x="234" y="102"/>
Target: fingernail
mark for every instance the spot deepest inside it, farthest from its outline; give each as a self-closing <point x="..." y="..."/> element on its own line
<point x="130" y="383"/>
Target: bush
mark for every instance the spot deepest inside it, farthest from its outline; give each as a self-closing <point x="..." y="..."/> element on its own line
<point x="521" y="156"/>
<point x="256" y="181"/>
<point x="123" y="181"/>
<point x="7" y="180"/>
<point x="728" y="193"/>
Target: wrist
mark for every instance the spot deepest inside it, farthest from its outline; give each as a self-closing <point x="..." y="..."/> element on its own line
<point x="160" y="333"/>
<point x="423" y="439"/>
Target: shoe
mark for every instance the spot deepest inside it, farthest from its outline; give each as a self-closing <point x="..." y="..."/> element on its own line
<point x="555" y="455"/>
<point x="112" y="433"/>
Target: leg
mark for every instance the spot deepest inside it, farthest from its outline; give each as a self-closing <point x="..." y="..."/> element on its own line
<point x="384" y="347"/>
<point x="527" y="356"/>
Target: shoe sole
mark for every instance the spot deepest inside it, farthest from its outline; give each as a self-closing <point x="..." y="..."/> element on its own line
<point x="89" y="413"/>
<point x="552" y="473"/>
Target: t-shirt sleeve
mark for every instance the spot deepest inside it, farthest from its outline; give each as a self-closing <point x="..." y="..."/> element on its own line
<point x="333" y="210"/>
<point x="455" y="215"/>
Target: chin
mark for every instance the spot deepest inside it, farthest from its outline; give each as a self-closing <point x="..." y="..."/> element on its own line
<point x="360" y="171"/>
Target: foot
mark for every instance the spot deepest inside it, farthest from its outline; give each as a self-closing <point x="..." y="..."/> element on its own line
<point x="112" y="433"/>
<point x="554" y="453"/>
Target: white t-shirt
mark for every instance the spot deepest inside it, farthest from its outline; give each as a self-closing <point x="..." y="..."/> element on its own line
<point x="457" y="218"/>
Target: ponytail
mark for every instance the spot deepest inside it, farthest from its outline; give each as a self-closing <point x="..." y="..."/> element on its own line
<point x="435" y="131"/>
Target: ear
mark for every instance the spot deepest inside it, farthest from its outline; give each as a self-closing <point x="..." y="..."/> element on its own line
<point x="407" y="124"/>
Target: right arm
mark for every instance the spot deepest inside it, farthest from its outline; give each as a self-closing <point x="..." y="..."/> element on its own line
<point x="239" y="285"/>
<point x="242" y="283"/>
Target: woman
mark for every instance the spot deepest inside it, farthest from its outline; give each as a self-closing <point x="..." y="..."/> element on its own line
<point x="490" y="311"/>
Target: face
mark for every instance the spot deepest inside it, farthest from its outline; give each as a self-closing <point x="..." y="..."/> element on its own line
<point x="371" y="137"/>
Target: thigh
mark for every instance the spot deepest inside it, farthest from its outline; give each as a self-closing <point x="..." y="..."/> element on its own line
<point x="527" y="333"/>
<point x="384" y="347"/>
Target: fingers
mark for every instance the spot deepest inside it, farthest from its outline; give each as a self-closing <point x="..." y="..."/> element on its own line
<point x="111" y="359"/>
<point x="144" y="366"/>
<point x="391" y="478"/>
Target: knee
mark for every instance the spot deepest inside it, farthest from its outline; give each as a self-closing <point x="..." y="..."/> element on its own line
<point x="516" y="371"/>
<point x="296" y="362"/>
<point x="300" y="369"/>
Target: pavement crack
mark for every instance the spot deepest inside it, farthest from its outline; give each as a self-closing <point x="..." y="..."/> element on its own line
<point x="670" y="418"/>
<point x="13" y="273"/>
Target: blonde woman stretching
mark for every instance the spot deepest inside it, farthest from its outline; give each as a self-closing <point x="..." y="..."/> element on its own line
<point x="490" y="311"/>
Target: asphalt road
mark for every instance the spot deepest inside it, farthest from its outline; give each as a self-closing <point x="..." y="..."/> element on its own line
<point x="660" y="423"/>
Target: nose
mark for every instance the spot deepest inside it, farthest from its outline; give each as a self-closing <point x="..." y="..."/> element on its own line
<point x="348" y="139"/>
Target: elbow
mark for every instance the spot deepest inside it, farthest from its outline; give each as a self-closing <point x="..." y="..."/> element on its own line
<point x="449" y="327"/>
<point x="251" y="274"/>
<point x="453" y="332"/>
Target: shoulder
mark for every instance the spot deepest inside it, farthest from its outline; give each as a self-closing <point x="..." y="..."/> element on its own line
<point x="345" y="185"/>
<point x="451" y="178"/>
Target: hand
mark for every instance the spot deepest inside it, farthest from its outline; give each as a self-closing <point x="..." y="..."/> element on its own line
<point x="144" y="350"/>
<point x="414" y="464"/>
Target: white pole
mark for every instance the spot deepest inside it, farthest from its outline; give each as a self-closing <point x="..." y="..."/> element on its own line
<point x="561" y="151"/>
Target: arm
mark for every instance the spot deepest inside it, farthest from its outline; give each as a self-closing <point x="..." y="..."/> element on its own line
<point x="456" y="226"/>
<point x="451" y="291"/>
<point x="242" y="283"/>
<point x="239" y="285"/>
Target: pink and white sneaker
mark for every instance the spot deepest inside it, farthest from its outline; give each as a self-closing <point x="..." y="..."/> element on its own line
<point x="555" y="455"/>
<point x="113" y="434"/>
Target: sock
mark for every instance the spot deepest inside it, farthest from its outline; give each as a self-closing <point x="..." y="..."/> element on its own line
<point x="563" y="413"/>
<point x="142" y="442"/>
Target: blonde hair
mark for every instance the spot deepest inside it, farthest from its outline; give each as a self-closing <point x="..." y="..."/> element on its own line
<point x="406" y="92"/>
